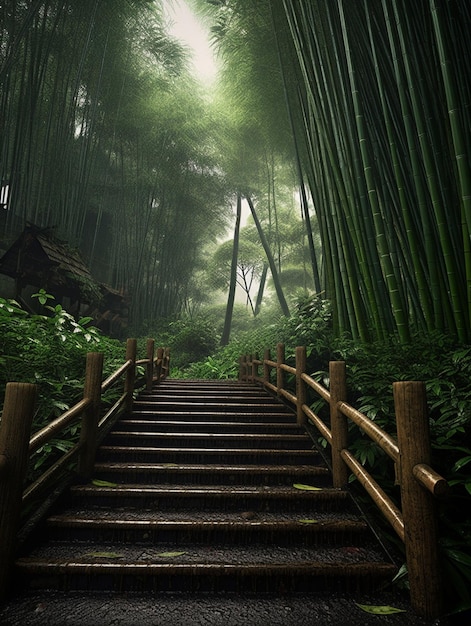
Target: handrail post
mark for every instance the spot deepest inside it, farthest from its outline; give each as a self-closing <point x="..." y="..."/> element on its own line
<point x="338" y="422"/>
<point x="150" y="364"/>
<point x="131" y="348"/>
<point x="167" y="362"/>
<point x="266" y="367"/>
<point x="300" y="385"/>
<point x="241" y="367"/>
<point x="91" y="415"/>
<point x="280" y="375"/>
<point x="254" y="367"/>
<point x="158" y="368"/>
<point x="15" y="431"/>
<point x="418" y="505"/>
<point x="250" y="368"/>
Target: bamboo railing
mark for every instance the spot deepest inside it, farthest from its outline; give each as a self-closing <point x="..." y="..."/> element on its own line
<point x="420" y="485"/>
<point x="17" y="445"/>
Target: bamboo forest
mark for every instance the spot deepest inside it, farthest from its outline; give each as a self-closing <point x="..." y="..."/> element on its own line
<point x="345" y="124"/>
<point x="316" y="191"/>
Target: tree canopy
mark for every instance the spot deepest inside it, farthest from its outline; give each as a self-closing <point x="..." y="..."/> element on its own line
<point x="363" y="106"/>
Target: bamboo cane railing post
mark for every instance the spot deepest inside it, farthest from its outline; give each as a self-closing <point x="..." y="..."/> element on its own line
<point x="150" y="364"/>
<point x="266" y="367"/>
<point x="91" y="415"/>
<point x="250" y="368"/>
<point x="255" y="367"/>
<point x="159" y="366"/>
<point x="300" y="385"/>
<point x="167" y="362"/>
<point x="280" y="375"/>
<point x="15" y="431"/>
<point x="338" y="422"/>
<point x="418" y="505"/>
<point x="131" y="349"/>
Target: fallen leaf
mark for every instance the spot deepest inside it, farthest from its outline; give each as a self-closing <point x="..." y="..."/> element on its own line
<point x="379" y="610"/>
<point x="170" y="554"/>
<point x="103" y="483"/>
<point x="308" y="521"/>
<point x="306" y="487"/>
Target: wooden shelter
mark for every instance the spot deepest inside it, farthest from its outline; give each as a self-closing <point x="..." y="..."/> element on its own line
<point x="38" y="260"/>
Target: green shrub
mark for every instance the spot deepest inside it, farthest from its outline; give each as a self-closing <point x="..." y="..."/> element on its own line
<point x="50" y="351"/>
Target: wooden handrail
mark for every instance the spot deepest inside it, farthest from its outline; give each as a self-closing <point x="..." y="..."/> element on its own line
<point x="377" y="434"/>
<point x="17" y="445"/>
<point x="415" y="525"/>
<point x="112" y="378"/>
<point x="53" y="428"/>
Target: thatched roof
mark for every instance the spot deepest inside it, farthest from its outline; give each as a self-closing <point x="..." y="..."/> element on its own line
<point x="37" y="258"/>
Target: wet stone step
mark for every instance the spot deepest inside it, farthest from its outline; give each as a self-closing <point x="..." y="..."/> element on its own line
<point x="209" y="497"/>
<point x="202" y="568"/>
<point x="220" y="405"/>
<point x="148" y="421"/>
<point x="240" y="417"/>
<point x="225" y="530"/>
<point x="273" y="608"/>
<point x="204" y="455"/>
<point x="255" y="554"/>
<point x="211" y="474"/>
<point x="210" y="440"/>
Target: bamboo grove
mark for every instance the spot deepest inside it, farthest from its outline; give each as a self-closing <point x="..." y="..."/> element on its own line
<point x="378" y="100"/>
<point x="104" y="138"/>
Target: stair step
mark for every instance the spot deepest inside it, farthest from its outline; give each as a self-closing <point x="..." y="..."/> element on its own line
<point x="200" y="568"/>
<point x="206" y="455"/>
<point x="220" y="404"/>
<point x="210" y="439"/>
<point x="210" y="474"/>
<point x="210" y="497"/>
<point x="241" y="417"/>
<point x="148" y="422"/>
<point x="273" y="608"/>
<point x="223" y="529"/>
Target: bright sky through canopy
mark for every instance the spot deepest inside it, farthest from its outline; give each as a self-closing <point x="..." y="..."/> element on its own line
<point x="184" y="25"/>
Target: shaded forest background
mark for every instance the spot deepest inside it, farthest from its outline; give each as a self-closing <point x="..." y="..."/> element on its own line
<point x="342" y="129"/>
<point x="345" y="125"/>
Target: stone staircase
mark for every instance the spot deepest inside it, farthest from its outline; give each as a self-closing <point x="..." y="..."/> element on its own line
<point x="208" y="493"/>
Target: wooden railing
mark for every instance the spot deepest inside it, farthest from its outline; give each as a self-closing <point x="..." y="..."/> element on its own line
<point x="17" y="445"/>
<point x="420" y="485"/>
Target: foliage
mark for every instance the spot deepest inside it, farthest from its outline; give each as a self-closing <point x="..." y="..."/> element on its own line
<point x="189" y="339"/>
<point x="50" y="350"/>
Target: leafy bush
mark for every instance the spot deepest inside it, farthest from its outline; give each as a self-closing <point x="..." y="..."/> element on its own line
<point x="50" y="351"/>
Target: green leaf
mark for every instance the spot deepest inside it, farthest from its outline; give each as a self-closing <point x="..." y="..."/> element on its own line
<point x="103" y="483"/>
<point x="306" y="487"/>
<point x="308" y="521"/>
<point x="379" y="610"/>
<point x="461" y="463"/>
<point x="170" y="554"/>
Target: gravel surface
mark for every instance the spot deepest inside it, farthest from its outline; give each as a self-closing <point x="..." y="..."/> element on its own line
<point x="56" y="609"/>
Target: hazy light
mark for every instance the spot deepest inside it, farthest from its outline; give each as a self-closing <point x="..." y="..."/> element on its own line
<point x="184" y="26"/>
